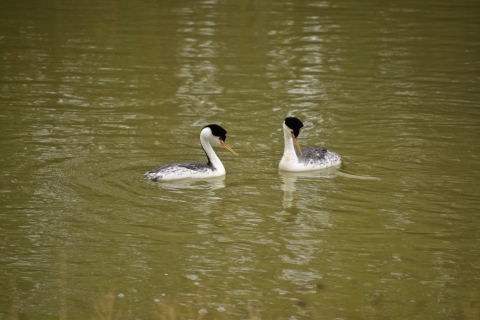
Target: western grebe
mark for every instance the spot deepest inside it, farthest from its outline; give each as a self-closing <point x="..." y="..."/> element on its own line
<point x="305" y="159"/>
<point x="211" y="133"/>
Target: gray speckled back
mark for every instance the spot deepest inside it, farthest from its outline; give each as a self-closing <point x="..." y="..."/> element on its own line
<point x="178" y="168"/>
<point x="317" y="156"/>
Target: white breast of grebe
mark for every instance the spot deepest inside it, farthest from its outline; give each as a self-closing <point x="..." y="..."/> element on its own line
<point x="312" y="159"/>
<point x="184" y="170"/>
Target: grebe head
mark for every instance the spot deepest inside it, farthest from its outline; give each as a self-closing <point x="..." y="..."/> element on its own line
<point x="294" y="125"/>
<point x="216" y="135"/>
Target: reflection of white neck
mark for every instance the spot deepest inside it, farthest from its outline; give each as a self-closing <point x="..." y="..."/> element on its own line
<point x="205" y="137"/>
<point x="288" y="188"/>
<point x="288" y="182"/>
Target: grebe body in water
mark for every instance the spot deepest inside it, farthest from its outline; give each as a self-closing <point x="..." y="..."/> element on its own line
<point x="211" y="134"/>
<point x="303" y="159"/>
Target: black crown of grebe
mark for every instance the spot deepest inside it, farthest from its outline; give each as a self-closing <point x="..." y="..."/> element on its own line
<point x="211" y="134"/>
<point x="303" y="159"/>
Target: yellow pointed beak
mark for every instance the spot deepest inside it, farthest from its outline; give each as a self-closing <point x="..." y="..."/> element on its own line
<point x="297" y="145"/>
<point x="228" y="148"/>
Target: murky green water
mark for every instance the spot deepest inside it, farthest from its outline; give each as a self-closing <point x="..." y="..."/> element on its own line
<point x="95" y="93"/>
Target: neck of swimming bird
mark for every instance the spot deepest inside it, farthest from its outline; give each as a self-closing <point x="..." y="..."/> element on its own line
<point x="289" y="146"/>
<point x="213" y="159"/>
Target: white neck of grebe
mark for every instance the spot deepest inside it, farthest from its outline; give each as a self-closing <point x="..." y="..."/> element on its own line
<point x="214" y="160"/>
<point x="289" y="159"/>
<point x="289" y="146"/>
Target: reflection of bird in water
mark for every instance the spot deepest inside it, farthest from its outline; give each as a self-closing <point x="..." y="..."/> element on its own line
<point x="292" y="194"/>
<point x="303" y="159"/>
<point x="211" y="183"/>
<point x="210" y="134"/>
